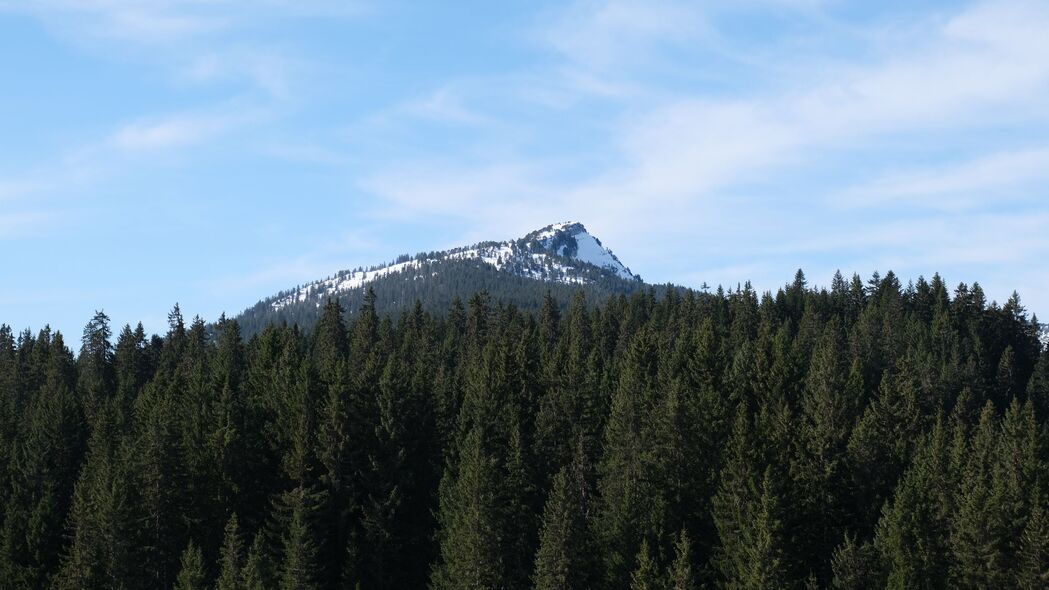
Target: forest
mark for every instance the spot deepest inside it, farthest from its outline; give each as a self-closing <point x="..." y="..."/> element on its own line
<point x="865" y="435"/>
<point x="435" y="285"/>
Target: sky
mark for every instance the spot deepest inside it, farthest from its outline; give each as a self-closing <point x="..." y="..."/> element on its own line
<point x="214" y="152"/>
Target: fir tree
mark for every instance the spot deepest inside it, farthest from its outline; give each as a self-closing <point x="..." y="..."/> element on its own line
<point x="191" y="576"/>
<point x="231" y="558"/>
<point x="680" y="576"/>
<point x="299" y="568"/>
<point x="1033" y="570"/>
<point x="749" y="518"/>
<point x="565" y="556"/>
<point x="255" y="574"/>
<point x="646" y="574"/>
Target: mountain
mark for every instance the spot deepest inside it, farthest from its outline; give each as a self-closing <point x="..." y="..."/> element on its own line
<point x="562" y="258"/>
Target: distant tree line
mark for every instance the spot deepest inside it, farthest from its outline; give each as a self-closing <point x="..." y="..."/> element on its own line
<point x="868" y="435"/>
<point x="437" y="284"/>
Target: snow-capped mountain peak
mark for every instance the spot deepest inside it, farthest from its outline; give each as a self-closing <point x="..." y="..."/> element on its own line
<point x="561" y="252"/>
<point x="570" y="239"/>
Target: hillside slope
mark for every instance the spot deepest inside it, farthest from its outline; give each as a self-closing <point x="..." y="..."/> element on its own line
<point x="561" y="258"/>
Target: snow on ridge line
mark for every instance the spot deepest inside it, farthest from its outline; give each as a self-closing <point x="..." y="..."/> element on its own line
<point x="553" y="229"/>
<point x="530" y="264"/>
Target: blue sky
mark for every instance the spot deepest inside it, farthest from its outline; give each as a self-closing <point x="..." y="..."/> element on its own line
<point x="214" y="152"/>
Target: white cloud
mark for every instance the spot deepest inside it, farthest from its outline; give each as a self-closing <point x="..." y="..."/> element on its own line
<point x="22" y="224"/>
<point x="678" y="159"/>
<point x="446" y="105"/>
<point x="177" y="131"/>
<point x="191" y="41"/>
<point x="990" y="178"/>
<point x="603" y="34"/>
<point x="160" y="22"/>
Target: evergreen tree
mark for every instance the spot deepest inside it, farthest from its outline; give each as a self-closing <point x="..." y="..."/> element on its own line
<point x="910" y="535"/>
<point x="102" y="551"/>
<point x="299" y="568"/>
<point x="749" y="518"/>
<point x="1033" y="570"/>
<point x="231" y="558"/>
<point x="469" y="531"/>
<point x="191" y="576"/>
<point x="255" y="575"/>
<point x="646" y="575"/>
<point x="680" y="576"/>
<point x="565" y="556"/>
<point x="44" y="457"/>
<point x="631" y="505"/>
<point x="855" y="566"/>
<point x="882" y="437"/>
<point x="96" y="382"/>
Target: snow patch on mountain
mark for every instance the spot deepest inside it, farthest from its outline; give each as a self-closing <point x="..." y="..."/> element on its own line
<point x="562" y="252"/>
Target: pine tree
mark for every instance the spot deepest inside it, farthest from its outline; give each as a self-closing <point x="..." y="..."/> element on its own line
<point x="255" y="574"/>
<point x="680" y="576"/>
<point x="828" y="410"/>
<point x="1033" y="571"/>
<point x="102" y="550"/>
<point x="749" y="518"/>
<point x="231" y="558"/>
<point x="910" y="537"/>
<point x="159" y="475"/>
<point x="44" y="459"/>
<point x="977" y="531"/>
<point x="566" y="549"/>
<point x="299" y="568"/>
<point x="855" y="567"/>
<point x="96" y="379"/>
<point x="631" y="504"/>
<point x="469" y="520"/>
<point x="646" y="574"/>
<point x="191" y="576"/>
<point x="882" y="444"/>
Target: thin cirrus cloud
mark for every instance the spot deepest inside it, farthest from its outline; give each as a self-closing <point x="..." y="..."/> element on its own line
<point x="179" y="130"/>
<point x="159" y="22"/>
<point x="678" y="160"/>
<point x="706" y="142"/>
<point x="1014" y="175"/>
<point x="194" y="42"/>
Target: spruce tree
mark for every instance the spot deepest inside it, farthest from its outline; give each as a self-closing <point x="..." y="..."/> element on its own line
<point x="96" y="382"/>
<point x="631" y="506"/>
<point x="910" y="537"/>
<point x="299" y="567"/>
<point x="255" y="573"/>
<point x="471" y="555"/>
<point x="191" y="576"/>
<point x="45" y="457"/>
<point x="646" y="574"/>
<point x="680" y="576"/>
<point x="1033" y="557"/>
<point x="565" y="558"/>
<point x="855" y="567"/>
<point x="749" y="517"/>
<point x="231" y="558"/>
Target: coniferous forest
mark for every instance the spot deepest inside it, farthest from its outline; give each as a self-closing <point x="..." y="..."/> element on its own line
<point x="869" y="435"/>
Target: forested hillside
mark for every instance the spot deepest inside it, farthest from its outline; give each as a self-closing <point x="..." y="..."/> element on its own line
<point x="865" y="436"/>
<point x="560" y="259"/>
<point x="435" y="284"/>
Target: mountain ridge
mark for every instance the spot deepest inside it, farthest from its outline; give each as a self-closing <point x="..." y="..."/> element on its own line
<point x="563" y="257"/>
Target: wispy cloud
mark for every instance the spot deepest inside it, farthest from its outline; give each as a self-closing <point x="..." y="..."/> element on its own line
<point x="179" y="130"/>
<point x="1012" y="175"/>
<point x="192" y="41"/>
<point x="679" y="161"/>
<point x="27" y="224"/>
<point x="159" y="22"/>
<point x="610" y="33"/>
